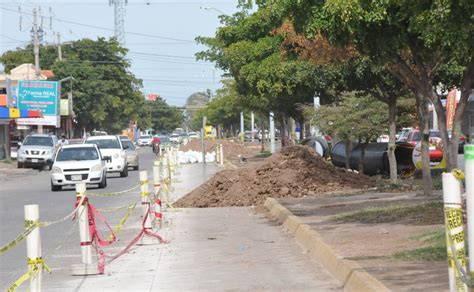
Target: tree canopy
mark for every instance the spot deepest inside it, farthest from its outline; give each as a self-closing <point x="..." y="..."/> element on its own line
<point x="106" y="94"/>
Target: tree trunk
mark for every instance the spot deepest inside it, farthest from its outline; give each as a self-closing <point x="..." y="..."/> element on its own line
<point x="284" y="131"/>
<point x="392" y="131"/>
<point x="466" y="89"/>
<point x="348" y="153"/>
<point x="425" y="155"/>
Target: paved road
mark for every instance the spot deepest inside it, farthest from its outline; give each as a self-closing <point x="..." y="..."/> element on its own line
<point x="33" y="187"/>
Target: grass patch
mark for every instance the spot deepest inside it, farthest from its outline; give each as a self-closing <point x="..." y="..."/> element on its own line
<point x="421" y="214"/>
<point x="435" y="251"/>
<point x="263" y="154"/>
<point x="7" y="161"/>
<point x="437" y="184"/>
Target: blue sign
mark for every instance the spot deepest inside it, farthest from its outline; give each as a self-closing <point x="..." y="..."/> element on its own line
<point x="39" y="95"/>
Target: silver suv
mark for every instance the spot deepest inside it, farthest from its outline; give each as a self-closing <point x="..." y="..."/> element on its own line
<point x="37" y="150"/>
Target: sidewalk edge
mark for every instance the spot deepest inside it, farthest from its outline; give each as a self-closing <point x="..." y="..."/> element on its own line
<point x="349" y="273"/>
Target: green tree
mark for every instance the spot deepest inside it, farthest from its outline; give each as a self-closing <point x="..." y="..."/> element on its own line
<point x="106" y="95"/>
<point x="423" y="44"/>
<point x="355" y="118"/>
<point x="164" y="118"/>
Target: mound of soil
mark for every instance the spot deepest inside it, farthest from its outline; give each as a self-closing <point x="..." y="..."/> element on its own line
<point x="293" y="172"/>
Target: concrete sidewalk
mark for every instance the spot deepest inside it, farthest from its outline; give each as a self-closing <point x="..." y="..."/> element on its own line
<point x="210" y="249"/>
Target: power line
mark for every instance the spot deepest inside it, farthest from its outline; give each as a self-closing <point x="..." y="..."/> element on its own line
<point x="105" y="28"/>
<point x="161" y="55"/>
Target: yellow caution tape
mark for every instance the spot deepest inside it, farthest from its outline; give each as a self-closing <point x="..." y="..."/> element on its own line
<point x="143" y="182"/>
<point x="459" y="174"/>
<point x="34" y="266"/>
<point x="20" y="237"/>
<point x="144" y="194"/>
<point x="122" y="222"/>
<point x="113" y="194"/>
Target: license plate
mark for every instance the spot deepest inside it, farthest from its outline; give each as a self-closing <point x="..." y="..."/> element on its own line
<point x="432" y="148"/>
<point x="76" y="177"/>
<point x="34" y="160"/>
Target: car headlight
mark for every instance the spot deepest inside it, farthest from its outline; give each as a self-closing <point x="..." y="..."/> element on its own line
<point x="22" y="151"/>
<point x="116" y="155"/>
<point x="56" y="169"/>
<point x="96" y="167"/>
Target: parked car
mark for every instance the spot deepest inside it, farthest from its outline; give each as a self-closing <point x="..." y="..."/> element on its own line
<point x="131" y="154"/>
<point x="78" y="163"/>
<point x="413" y="137"/>
<point x="37" y="150"/>
<point x="194" y="135"/>
<point x="184" y="138"/>
<point x="111" y="148"/>
<point x="174" y="138"/>
<point x="144" y="140"/>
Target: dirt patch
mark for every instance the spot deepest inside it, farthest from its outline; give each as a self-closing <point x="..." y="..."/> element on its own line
<point x="232" y="149"/>
<point x="396" y="237"/>
<point x="292" y="172"/>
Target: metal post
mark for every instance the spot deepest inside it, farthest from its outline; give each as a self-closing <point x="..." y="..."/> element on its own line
<point x="469" y="178"/>
<point x="241" y="134"/>
<point x="218" y="155"/>
<point x="272" y="133"/>
<point x="86" y="267"/>
<point x="221" y="153"/>
<point x="203" y="146"/>
<point x="252" y="125"/>
<point x="454" y="230"/>
<point x="33" y="246"/>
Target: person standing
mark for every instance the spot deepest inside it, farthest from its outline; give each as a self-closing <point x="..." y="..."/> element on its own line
<point x="63" y="141"/>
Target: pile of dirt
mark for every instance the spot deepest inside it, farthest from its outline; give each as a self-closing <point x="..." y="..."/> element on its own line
<point x="293" y="172"/>
<point x="232" y="149"/>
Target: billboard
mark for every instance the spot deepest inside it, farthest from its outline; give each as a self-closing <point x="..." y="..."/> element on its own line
<point x="39" y="95"/>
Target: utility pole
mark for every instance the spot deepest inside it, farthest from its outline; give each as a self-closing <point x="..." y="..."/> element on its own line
<point x="36" y="34"/>
<point x="60" y="52"/>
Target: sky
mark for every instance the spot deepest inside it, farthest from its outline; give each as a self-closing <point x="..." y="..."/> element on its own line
<point x="159" y="34"/>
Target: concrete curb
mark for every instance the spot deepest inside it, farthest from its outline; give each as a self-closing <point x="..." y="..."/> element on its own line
<point x="352" y="276"/>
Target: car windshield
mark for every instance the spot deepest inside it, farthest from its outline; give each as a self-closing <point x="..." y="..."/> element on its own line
<point x="105" y="143"/>
<point x="129" y="144"/>
<point x="145" y="137"/>
<point x="76" y="154"/>
<point x="164" y="140"/>
<point x="417" y="135"/>
<point x="39" y="141"/>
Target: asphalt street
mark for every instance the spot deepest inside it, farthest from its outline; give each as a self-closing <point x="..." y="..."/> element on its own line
<point x="33" y="187"/>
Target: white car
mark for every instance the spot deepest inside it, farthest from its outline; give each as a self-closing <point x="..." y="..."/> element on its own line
<point x="78" y="163"/>
<point x="174" y="138"/>
<point x="113" y="151"/>
<point x="145" y="140"/>
<point x="194" y="135"/>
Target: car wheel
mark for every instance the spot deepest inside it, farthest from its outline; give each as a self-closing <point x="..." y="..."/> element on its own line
<point x="136" y="167"/>
<point x="124" y="173"/>
<point x="19" y="165"/>
<point x="103" y="183"/>
<point x="55" y="188"/>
